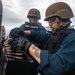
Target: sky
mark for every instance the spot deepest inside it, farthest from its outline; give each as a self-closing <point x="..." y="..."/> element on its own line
<point x="15" y="11"/>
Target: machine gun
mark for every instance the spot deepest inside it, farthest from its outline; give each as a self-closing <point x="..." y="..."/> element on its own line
<point x="18" y="63"/>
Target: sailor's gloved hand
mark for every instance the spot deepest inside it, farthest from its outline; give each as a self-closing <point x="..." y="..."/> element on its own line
<point x="10" y="41"/>
<point x="16" y="32"/>
<point x="21" y="44"/>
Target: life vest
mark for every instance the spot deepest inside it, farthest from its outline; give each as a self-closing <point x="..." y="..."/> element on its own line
<point x="53" y="44"/>
<point x="29" y="26"/>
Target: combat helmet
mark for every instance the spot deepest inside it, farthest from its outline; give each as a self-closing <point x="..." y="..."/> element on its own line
<point x="34" y="12"/>
<point x="59" y="9"/>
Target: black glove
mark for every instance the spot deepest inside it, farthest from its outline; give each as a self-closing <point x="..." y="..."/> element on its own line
<point x="21" y="44"/>
<point x="10" y="41"/>
<point x="16" y="32"/>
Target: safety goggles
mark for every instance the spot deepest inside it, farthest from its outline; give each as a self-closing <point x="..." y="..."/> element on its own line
<point x="33" y="17"/>
<point x="52" y="19"/>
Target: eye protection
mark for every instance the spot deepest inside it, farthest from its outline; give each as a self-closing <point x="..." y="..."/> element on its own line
<point x="33" y="17"/>
<point x="52" y="19"/>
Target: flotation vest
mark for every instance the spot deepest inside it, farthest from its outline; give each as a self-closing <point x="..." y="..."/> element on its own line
<point x="29" y="26"/>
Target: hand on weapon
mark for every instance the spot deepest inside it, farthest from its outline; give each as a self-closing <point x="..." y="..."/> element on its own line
<point x="16" y="32"/>
<point x="7" y="44"/>
<point x="21" y="44"/>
